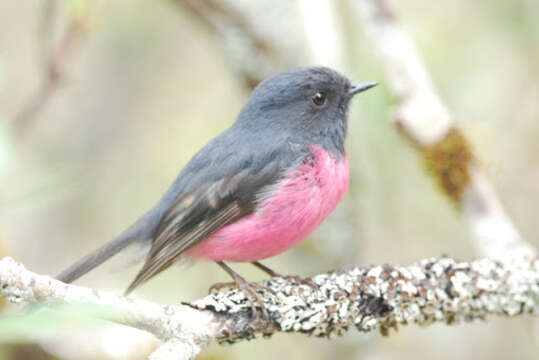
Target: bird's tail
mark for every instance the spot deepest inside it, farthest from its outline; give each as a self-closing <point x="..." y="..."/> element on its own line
<point x="141" y="230"/>
<point x="94" y="259"/>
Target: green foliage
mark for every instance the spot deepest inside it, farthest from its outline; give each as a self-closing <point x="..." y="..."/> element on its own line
<point x="45" y="321"/>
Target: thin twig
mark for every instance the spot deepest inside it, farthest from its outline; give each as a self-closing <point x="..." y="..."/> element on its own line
<point x="54" y="65"/>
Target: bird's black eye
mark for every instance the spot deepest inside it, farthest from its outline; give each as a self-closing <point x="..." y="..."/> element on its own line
<point x="319" y="98"/>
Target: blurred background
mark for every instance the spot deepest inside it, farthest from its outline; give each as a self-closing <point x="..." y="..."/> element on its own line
<point x="103" y="102"/>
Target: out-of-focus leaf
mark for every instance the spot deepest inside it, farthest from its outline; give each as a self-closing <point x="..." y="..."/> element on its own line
<point x="45" y="321"/>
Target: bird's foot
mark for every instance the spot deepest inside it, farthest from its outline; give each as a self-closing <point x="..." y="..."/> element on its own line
<point x="300" y="280"/>
<point x="250" y="290"/>
<point x="293" y="278"/>
<point x="233" y="285"/>
<point x="222" y="285"/>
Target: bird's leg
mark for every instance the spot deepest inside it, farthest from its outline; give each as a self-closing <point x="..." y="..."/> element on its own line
<point x="303" y="281"/>
<point x="249" y="289"/>
<point x="266" y="269"/>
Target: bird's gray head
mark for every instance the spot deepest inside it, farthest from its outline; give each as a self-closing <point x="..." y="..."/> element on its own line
<point x="312" y="102"/>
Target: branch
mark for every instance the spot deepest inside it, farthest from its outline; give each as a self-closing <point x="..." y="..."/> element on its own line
<point x="367" y="298"/>
<point x="323" y="33"/>
<point x="424" y="119"/>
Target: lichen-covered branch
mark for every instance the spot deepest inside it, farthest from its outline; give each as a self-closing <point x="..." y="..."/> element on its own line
<point x="366" y="298"/>
<point x="426" y="122"/>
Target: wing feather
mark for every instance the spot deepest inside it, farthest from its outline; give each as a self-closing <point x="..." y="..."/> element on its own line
<point x="196" y="215"/>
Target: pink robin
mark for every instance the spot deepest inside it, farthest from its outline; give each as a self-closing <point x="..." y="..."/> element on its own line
<point x="257" y="189"/>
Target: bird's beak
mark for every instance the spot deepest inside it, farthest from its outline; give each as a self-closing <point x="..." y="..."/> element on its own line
<point x="357" y="88"/>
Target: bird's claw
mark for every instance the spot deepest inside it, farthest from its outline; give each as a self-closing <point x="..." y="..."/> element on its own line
<point x="253" y="296"/>
<point x="250" y="292"/>
<point x="221" y="285"/>
<point x="300" y="280"/>
<point x="292" y="278"/>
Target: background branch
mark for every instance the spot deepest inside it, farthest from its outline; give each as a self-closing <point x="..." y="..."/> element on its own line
<point x="368" y="298"/>
<point x="256" y="46"/>
<point x="55" y="57"/>
<point x="425" y="120"/>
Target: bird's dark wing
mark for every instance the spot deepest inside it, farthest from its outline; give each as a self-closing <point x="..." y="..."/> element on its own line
<point x="199" y="212"/>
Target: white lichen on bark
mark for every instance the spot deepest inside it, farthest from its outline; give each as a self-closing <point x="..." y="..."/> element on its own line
<point x="381" y="297"/>
<point x="367" y="298"/>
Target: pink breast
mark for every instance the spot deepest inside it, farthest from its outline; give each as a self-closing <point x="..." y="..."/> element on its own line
<point x="284" y="219"/>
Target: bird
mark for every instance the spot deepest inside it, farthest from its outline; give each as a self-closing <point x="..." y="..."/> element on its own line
<point x="254" y="191"/>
